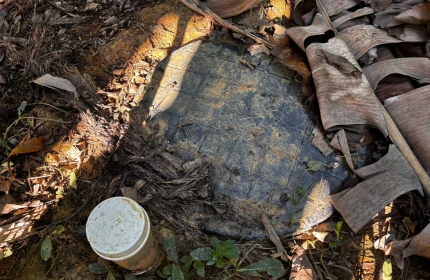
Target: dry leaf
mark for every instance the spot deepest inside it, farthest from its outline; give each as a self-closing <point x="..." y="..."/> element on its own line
<point x="411" y="115"/>
<point x="418" y="14"/>
<point x="385" y="180"/>
<point x="301" y="267"/>
<point x="320" y="235"/>
<point x="273" y="236"/>
<point x="411" y="225"/>
<point x="257" y="131"/>
<point x="28" y="146"/>
<point x="339" y="62"/>
<point x="420" y="245"/>
<point x="55" y="83"/>
<point x="343" y="100"/>
<point x="229" y="8"/>
<point x="131" y="193"/>
<point x="320" y="142"/>
<point x="416" y="67"/>
<point x="258" y="48"/>
<point x="4" y="186"/>
<point x="396" y="249"/>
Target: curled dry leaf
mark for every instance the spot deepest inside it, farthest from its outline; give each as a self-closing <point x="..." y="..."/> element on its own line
<point x="411" y="115"/>
<point x="320" y="143"/>
<point x="4" y="186"/>
<point x="229" y="8"/>
<point x="385" y="180"/>
<point x="28" y="146"/>
<point x="343" y="100"/>
<point x="53" y="82"/>
<point x="258" y="48"/>
<point x="301" y="267"/>
<point x="339" y="62"/>
<point x="416" y="67"/>
<point x="418" y="14"/>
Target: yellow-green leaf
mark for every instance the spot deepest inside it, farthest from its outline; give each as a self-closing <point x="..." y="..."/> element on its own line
<point x="6" y="253"/>
<point x="59" y="229"/>
<point x="46" y="249"/>
<point x="72" y="179"/>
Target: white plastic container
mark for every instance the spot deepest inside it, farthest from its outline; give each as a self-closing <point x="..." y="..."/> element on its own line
<point x="118" y="229"/>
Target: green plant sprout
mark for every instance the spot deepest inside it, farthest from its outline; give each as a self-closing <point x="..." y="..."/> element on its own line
<point x="221" y="255"/>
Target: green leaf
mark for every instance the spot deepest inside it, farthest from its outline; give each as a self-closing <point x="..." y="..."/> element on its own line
<point x="200" y="268"/>
<point x="231" y="253"/>
<point x="215" y="242"/>
<point x="186" y="268"/>
<point x="97" y="268"/>
<point x="162" y="275"/>
<point x="228" y="244"/>
<point x="387" y="268"/>
<point x="22" y="107"/>
<point x="3" y="144"/>
<point x="186" y="259"/>
<point x="59" y="229"/>
<point x="6" y="253"/>
<point x="273" y="267"/>
<point x="300" y="191"/>
<point x="211" y="261"/>
<point x="72" y="179"/>
<point x="170" y="248"/>
<point x="167" y="270"/>
<point x="110" y="276"/>
<point x="177" y="273"/>
<point x="201" y="254"/>
<point x="46" y="249"/>
<point x="332" y="244"/>
<point x="314" y="165"/>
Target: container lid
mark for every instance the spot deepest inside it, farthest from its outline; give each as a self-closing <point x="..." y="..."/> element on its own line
<point x="117" y="227"/>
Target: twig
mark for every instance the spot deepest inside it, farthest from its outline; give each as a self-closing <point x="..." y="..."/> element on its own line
<point x="49" y="105"/>
<point x="200" y="8"/>
<point x="245" y="255"/>
<point x="53" y="262"/>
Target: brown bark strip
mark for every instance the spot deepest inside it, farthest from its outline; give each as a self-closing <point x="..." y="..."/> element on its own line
<point x="200" y="8"/>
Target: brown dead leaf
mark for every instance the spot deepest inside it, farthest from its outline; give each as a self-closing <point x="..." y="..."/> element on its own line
<point x="4" y="186"/>
<point x="416" y="67"/>
<point x="28" y="146"/>
<point x="301" y="267"/>
<point x="339" y="62"/>
<point x="320" y="235"/>
<point x="258" y="48"/>
<point x="320" y="142"/>
<point x="396" y="249"/>
<point x="418" y="14"/>
<point x="247" y="64"/>
<point x="420" y="245"/>
<point x="257" y="131"/>
<point x="131" y="193"/>
<point x="384" y="181"/>
<point x="411" y="115"/>
<point x="411" y="225"/>
<point x="341" y="97"/>
<point x="229" y="8"/>
<point x="273" y="236"/>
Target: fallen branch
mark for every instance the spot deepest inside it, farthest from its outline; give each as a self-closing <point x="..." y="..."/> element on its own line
<point x="200" y="8"/>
